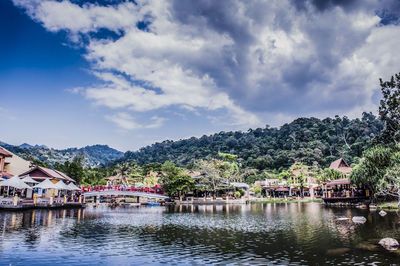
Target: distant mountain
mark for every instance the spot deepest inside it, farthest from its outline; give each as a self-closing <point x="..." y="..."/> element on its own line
<point x="93" y="156"/>
<point x="28" y="146"/>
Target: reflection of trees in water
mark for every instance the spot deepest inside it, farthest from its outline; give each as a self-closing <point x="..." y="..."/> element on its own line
<point x="297" y="229"/>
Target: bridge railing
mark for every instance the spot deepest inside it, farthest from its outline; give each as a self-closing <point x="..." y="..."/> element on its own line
<point x="155" y="190"/>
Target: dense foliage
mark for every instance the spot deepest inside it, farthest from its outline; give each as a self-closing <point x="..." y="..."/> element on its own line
<point x="307" y="140"/>
<point x="379" y="169"/>
<point x="175" y="181"/>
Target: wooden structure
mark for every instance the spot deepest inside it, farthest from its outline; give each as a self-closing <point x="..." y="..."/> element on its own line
<point x="341" y="190"/>
<point x="341" y="166"/>
<point x="40" y="173"/>
<point x="3" y="155"/>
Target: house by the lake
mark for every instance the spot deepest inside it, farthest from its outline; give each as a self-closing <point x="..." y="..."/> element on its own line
<point x="341" y="166"/>
<point x="40" y="173"/>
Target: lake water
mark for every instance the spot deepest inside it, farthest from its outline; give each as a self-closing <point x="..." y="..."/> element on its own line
<point x="294" y="233"/>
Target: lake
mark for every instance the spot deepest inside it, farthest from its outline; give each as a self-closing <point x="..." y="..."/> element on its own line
<point x="293" y="233"/>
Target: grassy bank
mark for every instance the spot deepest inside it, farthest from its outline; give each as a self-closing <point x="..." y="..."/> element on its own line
<point x="388" y="205"/>
<point x="282" y="201"/>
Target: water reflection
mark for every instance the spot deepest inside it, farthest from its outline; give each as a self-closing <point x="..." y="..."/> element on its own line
<point x="293" y="233"/>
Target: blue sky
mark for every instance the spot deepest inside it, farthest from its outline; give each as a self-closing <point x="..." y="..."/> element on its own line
<point x="127" y="74"/>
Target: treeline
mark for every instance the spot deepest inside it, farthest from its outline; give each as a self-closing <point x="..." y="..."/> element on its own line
<point x="311" y="141"/>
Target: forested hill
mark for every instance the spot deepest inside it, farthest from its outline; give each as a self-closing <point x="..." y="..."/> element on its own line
<point x="309" y="140"/>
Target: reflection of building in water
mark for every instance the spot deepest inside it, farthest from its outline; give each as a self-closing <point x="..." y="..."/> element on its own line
<point x="32" y="218"/>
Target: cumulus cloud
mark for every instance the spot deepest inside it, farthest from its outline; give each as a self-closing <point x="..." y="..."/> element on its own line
<point x="258" y="60"/>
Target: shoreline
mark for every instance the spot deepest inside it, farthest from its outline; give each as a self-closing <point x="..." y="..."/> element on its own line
<point x="282" y="201"/>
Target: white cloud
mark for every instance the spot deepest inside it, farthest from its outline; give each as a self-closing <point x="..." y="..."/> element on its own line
<point x="125" y="121"/>
<point x="253" y="59"/>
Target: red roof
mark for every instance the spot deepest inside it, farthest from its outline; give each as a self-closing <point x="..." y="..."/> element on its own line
<point x="341" y="166"/>
<point x="5" y="153"/>
<point x="343" y="181"/>
<point x="47" y="173"/>
<point x="282" y="189"/>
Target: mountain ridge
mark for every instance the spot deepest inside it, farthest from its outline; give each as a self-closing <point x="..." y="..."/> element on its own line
<point x="93" y="155"/>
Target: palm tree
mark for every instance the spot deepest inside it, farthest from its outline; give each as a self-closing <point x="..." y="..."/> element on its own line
<point x="128" y="172"/>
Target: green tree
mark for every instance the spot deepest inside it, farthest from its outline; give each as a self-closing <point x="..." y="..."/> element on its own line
<point x="214" y="175"/>
<point x="257" y="189"/>
<point x="389" y="110"/>
<point x="73" y="169"/>
<point x="175" y="181"/>
<point x="332" y="174"/>
<point x="230" y="167"/>
<point x="299" y="176"/>
<point x="129" y="172"/>
<point x="152" y="167"/>
<point x="378" y="169"/>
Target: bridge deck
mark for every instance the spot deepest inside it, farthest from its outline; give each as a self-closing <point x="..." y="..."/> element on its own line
<point x="124" y="193"/>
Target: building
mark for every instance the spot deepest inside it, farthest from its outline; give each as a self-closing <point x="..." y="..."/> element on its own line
<point x="341" y="166"/>
<point x="11" y="164"/>
<point x="40" y="173"/>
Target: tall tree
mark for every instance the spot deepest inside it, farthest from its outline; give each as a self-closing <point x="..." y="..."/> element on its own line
<point x="73" y="169"/>
<point x="129" y="172"/>
<point x="214" y="175"/>
<point x="389" y="110"/>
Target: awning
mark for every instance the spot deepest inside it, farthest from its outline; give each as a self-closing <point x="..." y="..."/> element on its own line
<point x="61" y="185"/>
<point x="282" y="189"/>
<point x="239" y="185"/>
<point x="28" y="179"/>
<point x="343" y="181"/>
<point x="14" y="182"/>
<point x="72" y="186"/>
<point x="46" y="184"/>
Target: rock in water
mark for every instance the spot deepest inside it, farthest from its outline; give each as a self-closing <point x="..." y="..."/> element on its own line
<point x="382" y="213"/>
<point x="389" y="243"/>
<point x="359" y="219"/>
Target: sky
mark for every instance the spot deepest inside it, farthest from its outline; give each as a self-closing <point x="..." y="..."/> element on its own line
<point x="130" y="73"/>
